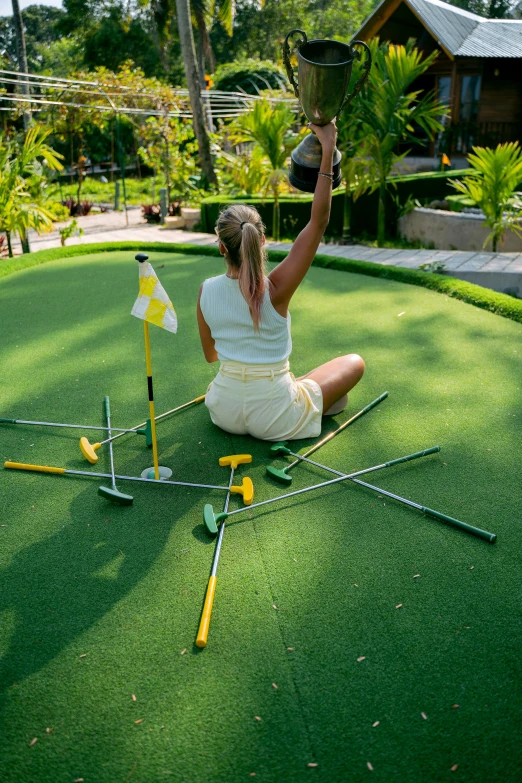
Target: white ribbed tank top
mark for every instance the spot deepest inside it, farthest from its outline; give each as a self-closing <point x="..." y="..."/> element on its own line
<point x="228" y="317"/>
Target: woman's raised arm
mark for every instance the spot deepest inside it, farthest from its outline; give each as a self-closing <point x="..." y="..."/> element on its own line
<point x="287" y="276"/>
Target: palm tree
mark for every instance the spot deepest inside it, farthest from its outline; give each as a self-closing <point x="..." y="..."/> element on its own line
<point x="191" y="74"/>
<point x="492" y="184"/>
<point x="20" y="172"/>
<point x="21" y="53"/>
<point x="269" y="127"/>
<point x="390" y="111"/>
<point x="205" y="12"/>
<point x="356" y="166"/>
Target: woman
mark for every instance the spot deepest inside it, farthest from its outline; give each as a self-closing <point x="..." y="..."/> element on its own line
<point x="244" y="322"/>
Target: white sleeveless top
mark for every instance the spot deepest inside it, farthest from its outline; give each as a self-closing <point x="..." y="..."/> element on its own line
<point x="228" y="317"/>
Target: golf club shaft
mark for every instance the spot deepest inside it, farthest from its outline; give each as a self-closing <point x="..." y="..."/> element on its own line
<point x="68" y="426"/>
<point x="107" y="406"/>
<point x="416" y="455"/>
<point x="476" y="531"/>
<point x="64" y="471"/>
<point x="337" y="480"/>
<point x="204" y="623"/>
<point x="339" y="429"/>
<point x="156" y="418"/>
<point x="222" y="530"/>
<point x="491" y="537"/>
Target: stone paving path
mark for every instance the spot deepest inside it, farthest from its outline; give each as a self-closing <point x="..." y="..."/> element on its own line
<point x="112" y="227"/>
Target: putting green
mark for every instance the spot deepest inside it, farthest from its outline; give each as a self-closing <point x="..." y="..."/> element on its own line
<point x="348" y="631"/>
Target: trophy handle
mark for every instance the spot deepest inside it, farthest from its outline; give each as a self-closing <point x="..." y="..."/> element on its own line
<point x="286" y="57"/>
<point x="366" y="72"/>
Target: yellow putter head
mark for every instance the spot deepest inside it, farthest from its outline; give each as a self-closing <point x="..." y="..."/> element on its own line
<point x="246" y="490"/>
<point x="88" y="450"/>
<point x="235" y="459"/>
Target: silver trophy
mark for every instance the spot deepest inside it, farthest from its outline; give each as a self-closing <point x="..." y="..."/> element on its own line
<point x="323" y="77"/>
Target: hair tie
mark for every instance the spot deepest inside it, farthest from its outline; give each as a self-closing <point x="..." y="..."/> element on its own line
<point x="243" y="223"/>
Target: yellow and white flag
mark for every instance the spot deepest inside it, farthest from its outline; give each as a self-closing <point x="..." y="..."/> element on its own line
<point x="153" y="304"/>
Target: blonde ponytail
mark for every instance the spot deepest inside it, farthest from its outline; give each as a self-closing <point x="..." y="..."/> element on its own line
<point x="241" y="229"/>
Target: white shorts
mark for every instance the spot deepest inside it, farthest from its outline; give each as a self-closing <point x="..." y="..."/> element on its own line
<point x="265" y="401"/>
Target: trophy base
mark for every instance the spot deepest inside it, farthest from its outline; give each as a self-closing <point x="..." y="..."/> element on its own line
<point x="306" y="162"/>
<point x="305" y="179"/>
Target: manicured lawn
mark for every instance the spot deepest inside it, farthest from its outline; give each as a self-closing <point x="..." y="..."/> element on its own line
<point x="99" y="602"/>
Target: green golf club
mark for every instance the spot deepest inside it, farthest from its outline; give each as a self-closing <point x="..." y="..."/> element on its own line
<point x="71" y="426"/>
<point x="112" y="493"/>
<point x="212" y="519"/>
<point x="280" y="448"/>
<point x="282" y="476"/>
<point x="89" y="449"/>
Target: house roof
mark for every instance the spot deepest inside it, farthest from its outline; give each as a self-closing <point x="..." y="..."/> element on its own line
<point x="460" y="33"/>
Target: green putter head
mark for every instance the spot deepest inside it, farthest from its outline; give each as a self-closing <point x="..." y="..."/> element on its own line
<point x="279" y="475"/>
<point x="147" y="431"/>
<point x="115" y="496"/>
<point x="279" y="448"/>
<point x="211" y="519"/>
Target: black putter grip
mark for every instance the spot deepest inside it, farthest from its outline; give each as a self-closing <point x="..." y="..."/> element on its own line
<point x="107" y="408"/>
<point x="476" y="531"/>
<point x="417" y="454"/>
<point x="7" y="421"/>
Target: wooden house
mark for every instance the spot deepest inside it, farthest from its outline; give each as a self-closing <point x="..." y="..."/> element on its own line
<point x="478" y="71"/>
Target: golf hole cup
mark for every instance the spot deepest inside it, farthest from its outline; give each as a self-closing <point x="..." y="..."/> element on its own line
<point x="323" y="78"/>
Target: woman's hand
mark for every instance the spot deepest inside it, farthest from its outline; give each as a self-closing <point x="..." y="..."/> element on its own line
<point x="327" y="134"/>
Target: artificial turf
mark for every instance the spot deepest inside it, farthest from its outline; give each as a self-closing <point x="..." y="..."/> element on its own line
<point x="99" y="603"/>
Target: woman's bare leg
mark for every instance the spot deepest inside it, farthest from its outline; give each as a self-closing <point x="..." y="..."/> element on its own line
<point x="337" y="377"/>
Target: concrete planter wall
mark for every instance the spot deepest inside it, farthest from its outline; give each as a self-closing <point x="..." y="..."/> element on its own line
<point x="191" y="216"/>
<point x="188" y="219"/>
<point x="174" y="222"/>
<point x="452" y="231"/>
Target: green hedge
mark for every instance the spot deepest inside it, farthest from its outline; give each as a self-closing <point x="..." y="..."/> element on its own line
<point x="295" y="210"/>
<point x="501" y="304"/>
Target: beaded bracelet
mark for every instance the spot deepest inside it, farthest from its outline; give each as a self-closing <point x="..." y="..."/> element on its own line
<point x="328" y="176"/>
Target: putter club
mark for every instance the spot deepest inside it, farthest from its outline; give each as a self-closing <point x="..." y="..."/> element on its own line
<point x="211" y="519"/>
<point x="245" y="490"/>
<point x="201" y="640"/>
<point x="280" y="448"/>
<point x="89" y="449"/>
<point x="112" y="493"/>
<point x="282" y="475"/>
<point x="69" y="426"/>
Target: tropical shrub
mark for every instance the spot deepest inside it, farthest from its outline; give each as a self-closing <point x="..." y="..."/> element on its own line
<point x="70" y="230"/>
<point x="390" y="111"/>
<point x="492" y="185"/>
<point x="269" y="127"/>
<point x="77" y="208"/>
<point x="22" y="178"/>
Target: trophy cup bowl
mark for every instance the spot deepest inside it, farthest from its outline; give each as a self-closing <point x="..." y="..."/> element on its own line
<point x="323" y="77"/>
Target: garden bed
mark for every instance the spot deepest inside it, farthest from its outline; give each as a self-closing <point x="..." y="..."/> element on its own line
<point x="446" y="230"/>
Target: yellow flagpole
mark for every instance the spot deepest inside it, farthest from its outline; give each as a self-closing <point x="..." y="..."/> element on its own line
<point x="151" y="400"/>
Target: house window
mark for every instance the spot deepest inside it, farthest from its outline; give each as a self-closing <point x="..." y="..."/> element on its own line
<point x="444" y="89"/>
<point x="469" y="98"/>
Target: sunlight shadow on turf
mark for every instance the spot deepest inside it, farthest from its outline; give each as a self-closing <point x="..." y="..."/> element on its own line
<point x="53" y="587"/>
